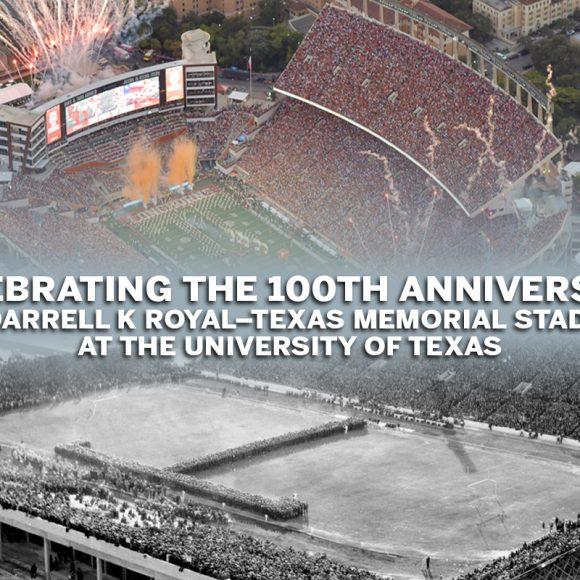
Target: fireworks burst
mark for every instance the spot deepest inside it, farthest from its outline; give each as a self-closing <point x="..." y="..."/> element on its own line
<point x="551" y="94"/>
<point x="434" y="142"/>
<point x="488" y="153"/>
<point x="60" y="37"/>
<point x="392" y="197"/>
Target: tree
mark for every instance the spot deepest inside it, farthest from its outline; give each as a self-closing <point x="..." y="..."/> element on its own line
<point x="262" y="50"/>
<point x="566" y="102"/>
<point x="564" y="124"/>
<point x="284" y="42"/>
<point x="482" y="26"/>
<point x="571" y="80"/>
<point x="192" y="21"/>
<point x="557" y="51"/>
<point x="173" y="48"/>
<point x="569" y="99"/>
<point x="537" y="79"/>
<point x="270" y="12"/>
<point x="165" y="26"/>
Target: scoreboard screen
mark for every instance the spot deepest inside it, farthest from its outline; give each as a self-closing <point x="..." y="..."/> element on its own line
<point x="112" y="103"/>
<point x="174" y="84"/>
<point x="52" y="123"/>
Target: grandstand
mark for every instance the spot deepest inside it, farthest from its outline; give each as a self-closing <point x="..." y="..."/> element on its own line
<point x="384" y="147"/>
<point x="561" y="567"/>
<point x="116" y="498"/>
<point x="395" y="211"/>
<point x="450" y="121"/>
<point x="553" y="557"/>
<point x="387" y="147"/>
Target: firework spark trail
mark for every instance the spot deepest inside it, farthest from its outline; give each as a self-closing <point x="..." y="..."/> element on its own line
<point x="434" y="142"/>
<point x="393" y="195"/>
<point x="489" y="153"/>
<point x="572" y="140"/>
<point x="425" y="221"/>
<point x="60" y="35"/>
<point x="361" y="241"/>
<point x="551" y="94"/>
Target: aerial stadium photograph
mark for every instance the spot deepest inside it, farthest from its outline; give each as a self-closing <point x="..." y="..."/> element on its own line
<point x="176" y="137"/>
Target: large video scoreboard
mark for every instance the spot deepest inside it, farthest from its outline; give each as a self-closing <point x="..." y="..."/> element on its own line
<point x="156" y="87"/>
<point x="100" y="107"/>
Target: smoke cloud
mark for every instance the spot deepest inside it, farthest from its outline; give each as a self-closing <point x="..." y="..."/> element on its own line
<point x="143" y="173"/>
<point x="182" y="163"/>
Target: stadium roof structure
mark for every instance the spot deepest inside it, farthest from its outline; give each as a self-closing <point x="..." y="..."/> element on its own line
<point x="238" y="96"/>
<point x="18" y="115"/>
<point x="471" y="138"/>
<point x="572" y="168"/>
<point x="433" y="11"/>
<point x="14" y="93"/>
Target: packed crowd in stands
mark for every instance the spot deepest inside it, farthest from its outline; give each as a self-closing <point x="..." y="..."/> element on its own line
<point x="564" y="537"/>
<point x="86" y="171"/>
<point x="215" y="133"/>
<point x="25" y="383"/>
<point x="53" y="217"/>
<point x="427" y="104"/>
<point x="533" y="388"/>
<point x="110" y="145"/>
<point x="57" y="189"/>
<point x="370" y="201"/>
<point x="191" y="536"/>
<point x="62" y="243"/>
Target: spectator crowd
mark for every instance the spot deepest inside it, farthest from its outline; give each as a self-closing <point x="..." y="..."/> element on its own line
<point x="372" y="202"/>
<point x="435" y="109"/>
<point x="191" y="536"/>
<point x="533" y="388"/>
<point x="564" y="537"/>
<point x="283" y="508"/>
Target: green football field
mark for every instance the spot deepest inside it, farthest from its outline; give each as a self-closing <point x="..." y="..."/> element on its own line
<point x="212" y="226"/>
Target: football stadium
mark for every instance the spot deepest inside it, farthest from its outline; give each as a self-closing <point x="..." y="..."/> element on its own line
<point x="278" y="183"/>
<point x="391" y="141"/>
<point x="311" y="469"/>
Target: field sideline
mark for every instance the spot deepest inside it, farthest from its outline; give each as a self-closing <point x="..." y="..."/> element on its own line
<point x="212" y="224"/>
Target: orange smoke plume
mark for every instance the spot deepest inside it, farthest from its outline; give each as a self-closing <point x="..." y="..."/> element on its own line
<point x="143" y="173"/>
<point x="182" y="164"/>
